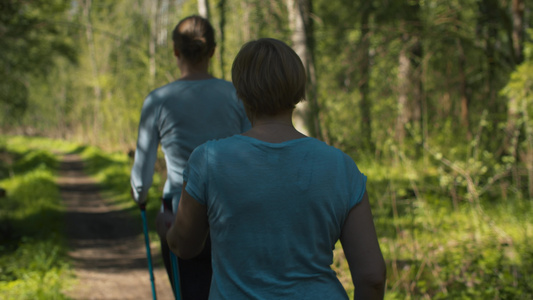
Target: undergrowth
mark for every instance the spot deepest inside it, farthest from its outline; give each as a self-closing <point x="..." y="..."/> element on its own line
<point x="33" y="250"/>
<point x="441" y="242"/>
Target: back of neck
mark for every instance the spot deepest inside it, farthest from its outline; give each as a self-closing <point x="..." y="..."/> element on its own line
<point x="274" y="129"/>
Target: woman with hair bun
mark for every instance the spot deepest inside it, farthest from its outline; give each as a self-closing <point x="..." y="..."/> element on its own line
<point x="274" y="201"/>
<point x="180" y="116"/>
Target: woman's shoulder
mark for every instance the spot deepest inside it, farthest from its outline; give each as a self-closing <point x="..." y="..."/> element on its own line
<point x="217" y="85"/>
<point x="222" y="82"/>
<point x="162" y="93"/>
<point x="333" y="153"/>
<point x="172" y="89"/>
<point x="325" y="148"/>
<point x="169" y="88"/>
<point x="212" y="83"/>
<point x="230" y="141"/>
<point x="217" y="143"/>
<point x="218" y="147"/>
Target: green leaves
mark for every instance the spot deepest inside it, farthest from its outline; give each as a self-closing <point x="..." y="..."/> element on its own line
<point x="30" y="39"/>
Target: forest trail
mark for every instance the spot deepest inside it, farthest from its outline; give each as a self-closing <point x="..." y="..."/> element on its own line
<point x="106" y="242"/>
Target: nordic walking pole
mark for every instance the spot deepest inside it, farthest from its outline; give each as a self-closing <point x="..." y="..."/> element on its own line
<point x="148" y="252"/>
<point x="175" y="275"/>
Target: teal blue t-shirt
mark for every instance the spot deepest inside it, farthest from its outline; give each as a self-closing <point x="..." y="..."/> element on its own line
<point x="275" y="212"/>
<point x="181" y="116"/>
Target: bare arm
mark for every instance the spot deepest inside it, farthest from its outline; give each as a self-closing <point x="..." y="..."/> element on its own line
<point x="361" y="248"/>
<point x="163" y="221"/>
<point x="187" y="236"/>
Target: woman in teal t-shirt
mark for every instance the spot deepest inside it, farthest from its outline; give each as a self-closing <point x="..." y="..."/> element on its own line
<point x="274" y="201"/>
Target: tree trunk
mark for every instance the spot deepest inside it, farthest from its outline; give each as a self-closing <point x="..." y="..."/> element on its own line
<point x="517" y="8"/>
<point x="152" y="40"/>
<point x="364" y="66"/>
<point x="221" y="27"/>
<point x="410" y="85"/>
<point x="489" y="15"/>
<point x="307" y="113"/>
<point x="94" y="66"/>
<point x="163" y="23"/>
<point x="246" y="7"/>
<point x="462" y="88"/>
<point x="488" y="31"/>
<point x="203" y="8"/>
<point x="415" y="77"/>
<point x="404" y="67"/>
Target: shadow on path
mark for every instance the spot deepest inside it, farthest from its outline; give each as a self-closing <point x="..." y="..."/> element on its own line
<point x="107" y="246"/>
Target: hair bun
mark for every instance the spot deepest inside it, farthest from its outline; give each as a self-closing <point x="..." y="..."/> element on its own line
<point x="198" y="44"/>
<point x="194" y="38"/>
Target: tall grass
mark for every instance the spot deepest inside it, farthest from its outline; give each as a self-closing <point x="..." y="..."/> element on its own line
<point x="440" y="242"/>
<point x="33" y="250"/>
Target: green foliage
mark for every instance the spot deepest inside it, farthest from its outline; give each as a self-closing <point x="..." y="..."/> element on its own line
<point x="31" y="39"/>
<point x="36" y="271"/>
<point x="33" y="251"/>
<point x="451" y="239"/>
<point x="519" y="90"/>
<point x="457" y="255"/>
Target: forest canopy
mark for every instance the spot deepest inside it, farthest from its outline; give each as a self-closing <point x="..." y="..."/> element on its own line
<point x="405" y="73"/>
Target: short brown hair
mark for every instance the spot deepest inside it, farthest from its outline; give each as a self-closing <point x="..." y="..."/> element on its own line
<point x="269" y="76"/>
<point x="194" y="38"/>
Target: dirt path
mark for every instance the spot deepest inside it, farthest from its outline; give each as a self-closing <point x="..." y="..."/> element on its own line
<point x="107" y="243"/>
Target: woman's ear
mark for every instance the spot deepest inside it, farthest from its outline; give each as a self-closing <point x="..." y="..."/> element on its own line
<point x="176" y="52"/>
<point x="212" y="52"/>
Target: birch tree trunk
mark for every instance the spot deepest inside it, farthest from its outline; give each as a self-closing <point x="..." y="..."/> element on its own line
<point x="94" y="66"/>
<point x="404" y="67"/>
<point x="152" y="40"/>
<point x="306" y="116"/>
<point x="246" y="32"/>
<point x="203" y="8"/>
<point x="163" y="23"/>
<point x="411" y="101"/>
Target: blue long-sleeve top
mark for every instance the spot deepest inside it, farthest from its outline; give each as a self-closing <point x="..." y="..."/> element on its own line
<point x="181" y="116"/>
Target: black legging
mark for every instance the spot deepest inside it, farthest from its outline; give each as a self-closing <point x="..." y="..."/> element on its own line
<point x="195" y="273"/>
